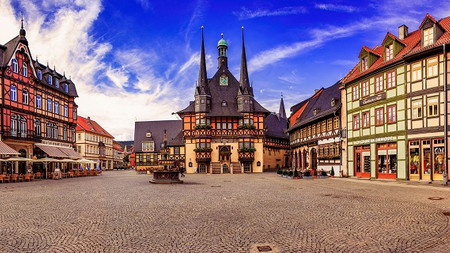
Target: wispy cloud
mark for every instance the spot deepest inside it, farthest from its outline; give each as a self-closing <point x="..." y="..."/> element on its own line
<point x="145" y="4"/>
<point x="320" y="36"/>
<point x="344" y="62"/>
<point x="246" y="13"/>
<point x="292" y="78"/>
<point x="336" y="7"/>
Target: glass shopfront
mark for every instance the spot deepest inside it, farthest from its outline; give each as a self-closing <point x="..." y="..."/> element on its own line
<point x="362" y="161"/>
<point x="387" y="160"/>
<point x="426" y="159"/>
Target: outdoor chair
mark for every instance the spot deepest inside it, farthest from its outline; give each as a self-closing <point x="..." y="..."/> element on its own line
<point x="37" y="175"/>
<point x="27" y="177"/>
<point x="21" y="177"/>
<point x="14" y="177"/>
<point x="6" y="178"/>
<point x="1" y="178"/>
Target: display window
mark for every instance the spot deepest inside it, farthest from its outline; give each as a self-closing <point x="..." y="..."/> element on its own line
<point x="362" y="161"/>
<point x="387" y="160"/>
<point x="414" y="160"/>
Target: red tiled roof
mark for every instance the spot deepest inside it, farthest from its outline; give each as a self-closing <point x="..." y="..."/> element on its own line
<point x="392" y="36"/>
<point x="428" y="16"/>
<point x="364" y="48"/>
<point x="89" y="125"/>
<point x="412" y="46"/>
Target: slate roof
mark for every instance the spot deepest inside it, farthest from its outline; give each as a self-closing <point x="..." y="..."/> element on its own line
<point x="89" y="125"/>
<point x="178" y="140"/>
<point x="172" y="127"/>
<point x="412" y="44"/>
<point x="322" y="103"/>
<point x="7" y="52"/>
<point x="276" y="126"/>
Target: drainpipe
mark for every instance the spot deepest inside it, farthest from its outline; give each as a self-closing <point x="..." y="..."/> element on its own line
<point x="445" y="177"/>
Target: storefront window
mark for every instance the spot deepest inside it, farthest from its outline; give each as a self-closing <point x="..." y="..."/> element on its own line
<point x="358" y="162"/>
<point x="427" y="160"/>
<point x="438" y="160"/>
<point x="387" y="158"/>
<point x="367" y="163"/>
<point x="414" y="159"/>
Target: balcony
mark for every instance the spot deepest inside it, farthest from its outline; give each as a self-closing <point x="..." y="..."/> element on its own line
<point x="23" y="135"/>
<point x="246" y="154"/>
<point x="203" y="154"/>
<point x="224" y="132"/>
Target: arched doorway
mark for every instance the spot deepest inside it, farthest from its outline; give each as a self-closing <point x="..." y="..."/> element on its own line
<point x="305" y="160"/>
<point x="224" y="158"/>
<point x="313" y="159"/>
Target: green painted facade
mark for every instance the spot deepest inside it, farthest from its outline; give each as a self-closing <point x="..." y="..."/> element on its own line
<point x="385" y="133"/>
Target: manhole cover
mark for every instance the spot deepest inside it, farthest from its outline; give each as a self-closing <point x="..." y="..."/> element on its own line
<point x="435" y="198"/>
<point x="446" y="213"/>
<point x="265" y="248"/>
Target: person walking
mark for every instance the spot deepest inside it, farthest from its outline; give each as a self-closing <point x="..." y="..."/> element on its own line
<point x="182" y="171"/>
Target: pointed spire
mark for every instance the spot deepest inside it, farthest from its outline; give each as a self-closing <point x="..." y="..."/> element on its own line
<point x="244" y="83"/>
<point x="22" y="32"/>
<point x="202" y="77"/>
<point x="282" y="111"/>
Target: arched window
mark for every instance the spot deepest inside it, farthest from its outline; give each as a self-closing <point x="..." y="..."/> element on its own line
<point x="56" y="83"/>
<point x="73" y="134"/>
<point x="74" y="114"/>
<point x="23" y="127"/>
<point x="65" y="133"/>
<point x="37" y="128"/>
<point x="13" y="93"/>
<point x="25" y="97"/>
<point x="56" y="107"/>
<point x="66" y="111"/>
<point x="39" y="74"/>
<point x="66" y="87"/>
<point x="49" y="105"/>
<point x="38" y="102"/>
<point x="24" y="69"/>
<point x="50" y="79"/>
<point x="14" y="125"/>
<point x="49" y="130"/>
<point x="15" y="67"/>
<point x="55" y="131"/>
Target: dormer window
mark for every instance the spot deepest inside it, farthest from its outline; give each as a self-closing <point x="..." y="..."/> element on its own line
<point x="428" y="36"/>
<point x="56" y="83"/>
<point x="316" y="111"/>
<point x="148" y="134"/>
<point x="39" y="74"/>
<point x="224" y="103"/>
<point x="389" y="50"/>
<point x="365" y="63"/>
<point x="66" y="88"/>
<point x="333" y="102"/>
<point x="50" y="79"/>
<point x="15" y="67"/>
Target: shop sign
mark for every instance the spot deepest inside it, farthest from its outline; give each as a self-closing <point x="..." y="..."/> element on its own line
<point x="375" y="140"/>
<point x="372" y="99"/>
<point x="439" y="150"/>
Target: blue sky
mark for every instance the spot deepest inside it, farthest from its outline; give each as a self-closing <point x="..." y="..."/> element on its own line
<point x="138" y="59"/>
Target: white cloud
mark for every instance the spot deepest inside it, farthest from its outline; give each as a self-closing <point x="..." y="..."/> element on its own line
<point x="246" y="13"/>
<point x="62" y="37"/>
<point x="336" y="7"/>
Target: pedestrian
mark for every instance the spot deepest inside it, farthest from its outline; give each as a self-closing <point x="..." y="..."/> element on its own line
<point x="58" y="173"/>
<point x="182" y="171"/>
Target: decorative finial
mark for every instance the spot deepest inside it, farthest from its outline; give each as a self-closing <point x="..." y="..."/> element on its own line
<point x="202" y="27"/>
<point x="221" y="35"/>
<point x="281" y="94"/>
<point x="242" y="27"/>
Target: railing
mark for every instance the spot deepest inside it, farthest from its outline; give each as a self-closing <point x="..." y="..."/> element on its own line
<point x="223" y="132"/>
<point x="203" y="156"/>
<point x="245" y="156"/>
<point x="330" y="134"/>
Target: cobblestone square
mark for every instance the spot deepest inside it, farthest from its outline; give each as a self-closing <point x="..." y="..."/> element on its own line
<point x="120" y="211"/>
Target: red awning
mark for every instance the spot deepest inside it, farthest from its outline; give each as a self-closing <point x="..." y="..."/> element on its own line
<point x="7" y="150"/>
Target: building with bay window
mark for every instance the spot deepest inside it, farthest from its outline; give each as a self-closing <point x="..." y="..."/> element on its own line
<point x="225" y="128"/>
<point x="38" y="109"/>
<point x="315" y="132"/>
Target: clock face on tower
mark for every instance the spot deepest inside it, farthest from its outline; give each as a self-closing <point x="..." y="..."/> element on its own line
<point x="223" y="80"/>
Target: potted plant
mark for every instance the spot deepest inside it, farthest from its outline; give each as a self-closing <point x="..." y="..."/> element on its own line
<point x="295" y="174"/>
<point x="307" y="174"/>
<point x="285" y="173"/>
<point x="290" y="173"/>
<point x="279" y="172"/>
<point x="323" y="174"/>
<point x="332" y="172"/>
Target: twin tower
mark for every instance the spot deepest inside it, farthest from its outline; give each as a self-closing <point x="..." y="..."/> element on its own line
<point x="243" y="92"/>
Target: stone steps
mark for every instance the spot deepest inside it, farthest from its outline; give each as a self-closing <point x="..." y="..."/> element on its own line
<point x="236" y="168"/>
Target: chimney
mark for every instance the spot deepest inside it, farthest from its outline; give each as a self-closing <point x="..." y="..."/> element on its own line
<point x="402" y="32"/>
<point x="89" y="118"/>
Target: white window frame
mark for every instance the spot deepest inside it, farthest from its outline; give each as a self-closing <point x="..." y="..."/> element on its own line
<point x="13" y="93"/>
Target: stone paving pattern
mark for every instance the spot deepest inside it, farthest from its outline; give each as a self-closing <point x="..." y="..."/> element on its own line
<point x="121" y="211"/>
